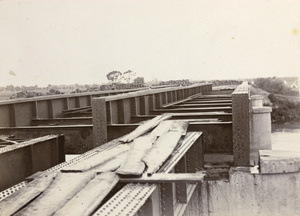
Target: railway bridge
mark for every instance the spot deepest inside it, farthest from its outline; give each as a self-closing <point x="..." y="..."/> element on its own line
<point x="168" y="151"/>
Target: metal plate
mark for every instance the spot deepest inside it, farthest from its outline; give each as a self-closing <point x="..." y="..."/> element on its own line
<point x="127" y="201"/>
<point x="11" y="190"/>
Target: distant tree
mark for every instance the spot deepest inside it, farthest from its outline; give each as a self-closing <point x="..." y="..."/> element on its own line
<point x="139" y="80"/>
<point x="10" y="88"/>
<point x="95" y="86"/>
<point x="77" y="86"/>
<point x="127" y="75"/>
<point x="114" y="76"/>
<point x="52" y="91"/>
<point x="274" y="85"/>
<point x="18" y="88"/>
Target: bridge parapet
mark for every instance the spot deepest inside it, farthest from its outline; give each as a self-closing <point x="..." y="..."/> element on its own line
<point x="119" y="109"/>
<point x="23" y="159"/>
<point x="251" y="126"/>
<point x="241" y="124"/>
<point x="20" y="112"/>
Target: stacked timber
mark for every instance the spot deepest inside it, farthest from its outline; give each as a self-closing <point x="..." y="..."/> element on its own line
<point x="80" y="188"/>
<point x="152" y="149"/>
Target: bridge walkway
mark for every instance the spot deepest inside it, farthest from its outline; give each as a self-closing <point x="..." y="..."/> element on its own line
<point x="73" y="183"/>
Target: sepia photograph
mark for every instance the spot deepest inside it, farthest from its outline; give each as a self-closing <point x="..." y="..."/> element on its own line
<point x="149" y="108"/>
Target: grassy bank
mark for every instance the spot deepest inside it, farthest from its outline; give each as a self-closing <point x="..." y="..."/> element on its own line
<point x="285" y="106"/>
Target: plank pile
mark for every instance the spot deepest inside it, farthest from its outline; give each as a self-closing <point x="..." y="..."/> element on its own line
<point x="80" y="188"/>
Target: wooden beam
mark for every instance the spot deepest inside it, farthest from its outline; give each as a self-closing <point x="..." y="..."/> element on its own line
<point x="142" y="129"/>
<point x="22" y="197"/>
<point x="133" y="164"/>
<point x="167" y="178"/>
<point x="90" y="197"/>
<point x="161" y="150"/>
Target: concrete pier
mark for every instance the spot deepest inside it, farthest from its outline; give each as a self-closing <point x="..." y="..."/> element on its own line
<point x="260" y="128"/>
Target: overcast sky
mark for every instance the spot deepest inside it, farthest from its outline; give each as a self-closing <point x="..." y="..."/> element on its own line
<point x="78" y="41"/>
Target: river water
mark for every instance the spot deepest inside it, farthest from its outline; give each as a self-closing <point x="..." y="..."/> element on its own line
<point x="286" y="137"/>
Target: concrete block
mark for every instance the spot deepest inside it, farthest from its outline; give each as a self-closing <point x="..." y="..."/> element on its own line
<point x="276" y="161"/>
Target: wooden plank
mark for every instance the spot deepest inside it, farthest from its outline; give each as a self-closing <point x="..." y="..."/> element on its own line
<point x="176" y="156"/>
<point x="162" y="128"/>
<point x="90" y="197"/>
<point x="57" y="194"/>
<point x="181" y="126"/>
<point x="20" y="198"/>
<point x="167" y="178"/>
<point x="6" y="139"/>
<point x="161" y="150"/>
<point x="142" y="129"/>
<point x="97" y="159"/>
<point x="133" y="164"/>
<point x="111" y="165"/>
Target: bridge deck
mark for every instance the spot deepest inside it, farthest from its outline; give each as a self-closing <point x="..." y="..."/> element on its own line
<point x="209" y="131"/>
<point x="42" y="189"/>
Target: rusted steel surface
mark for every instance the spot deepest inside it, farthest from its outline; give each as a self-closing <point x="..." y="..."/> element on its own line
<point x="204" y="88"/>
<point x="12" y="190"/>
<point x="115" y="131"/>
<point x="142" y="129"/>
<point x="33" y="117"/>
<point x="153" y="199"/>
<point x="81" y="175"/>
<point x="19" y="112"/>
<point x="190" y="115"/>
<point x="160" y="189"/>
<point x="193" y="109"/>
<point x="23" y="159"/>
<point x="241" y="124"/>
<point x="78" y="138"/>
<point x="120" y="109"/>
<point x="190" y="105"/>
<point x="217" y="136"/>
<point x="62" y="121"/>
